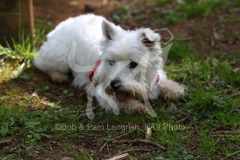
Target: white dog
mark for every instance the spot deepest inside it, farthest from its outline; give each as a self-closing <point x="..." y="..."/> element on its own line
<point x="118" y="67"/>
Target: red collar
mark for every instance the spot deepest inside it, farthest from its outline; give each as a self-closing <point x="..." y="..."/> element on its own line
<point x="158" y="78"/>
<point x="90" y="75"/>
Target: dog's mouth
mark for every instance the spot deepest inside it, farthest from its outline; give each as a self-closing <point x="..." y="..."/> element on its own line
<point x="121" y="95"/>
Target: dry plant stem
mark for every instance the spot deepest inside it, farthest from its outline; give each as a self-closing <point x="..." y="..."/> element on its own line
<point x="141" y="141"/>
<point x="223" y="133"/>
<point x="111" y="140"/>
<point x="5" y="141"/>
<point x="119" y="157"/>
<point x="137" y="150"/>
<point x="183" y="119"/>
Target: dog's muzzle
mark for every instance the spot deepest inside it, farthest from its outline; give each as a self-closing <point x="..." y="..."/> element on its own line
<point x="116" y="86"/>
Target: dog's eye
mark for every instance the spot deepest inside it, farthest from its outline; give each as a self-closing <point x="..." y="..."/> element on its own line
<point x="111" y="62"/>
<point x="132" y="65"/>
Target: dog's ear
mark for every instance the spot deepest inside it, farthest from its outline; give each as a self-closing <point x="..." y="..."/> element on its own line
<point x="108" y="29"/>
<point x="149" y="38"/>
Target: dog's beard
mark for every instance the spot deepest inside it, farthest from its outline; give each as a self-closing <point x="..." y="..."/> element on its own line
<point x="123" y="95"/>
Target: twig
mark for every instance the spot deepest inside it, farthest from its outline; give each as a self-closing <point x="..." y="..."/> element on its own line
<point x="183" y="119"/>
<point x="224" y="132"/>
<point x="5" y="141"/>
<point x="184" y="39"/>
<point x="134" y="150"/>
<point x="220" y="135"/>
<point x="120" y="157"/>
<point x="108" y="151"/>
<point x="234" y="95"/>
<point x="12" y="150"/>
<point x="141" y="141"/>
<point x="111" y="140"/>
<point x="231" y="154"/>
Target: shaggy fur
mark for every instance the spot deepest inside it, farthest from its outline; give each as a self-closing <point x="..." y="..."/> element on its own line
<point x="130" y="62"/>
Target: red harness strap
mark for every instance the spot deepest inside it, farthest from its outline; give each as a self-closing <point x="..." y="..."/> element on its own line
<point x="90" y="75"/>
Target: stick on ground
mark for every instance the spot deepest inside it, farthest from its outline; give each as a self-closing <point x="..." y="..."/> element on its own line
<point x="111" y="140"/>
<point x="141" y="141"/>
<point x="120" y="157"/>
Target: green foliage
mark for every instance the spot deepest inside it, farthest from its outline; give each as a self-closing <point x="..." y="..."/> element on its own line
<point x="176" y="153"/>
<point x="204" y="104"/>
<point x="190" y="9"/>
<point x="84" y="155"/>
<point x="163" y="1"/>
<point x="225" y="75"/>
<point x="125" y="12"/>
<point x="35" y="125"/>
<point x="207" y="144"/>
<point x="180" y="50"/>
<point x="121" y="14"/>
<point x="24" y="48"/>
<point x="236" y="3"/>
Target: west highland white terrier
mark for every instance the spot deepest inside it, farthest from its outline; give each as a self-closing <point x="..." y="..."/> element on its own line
<point x="121" y="68"/>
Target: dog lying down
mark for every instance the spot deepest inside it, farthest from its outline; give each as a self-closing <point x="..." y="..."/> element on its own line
<point x="121" y="68"/>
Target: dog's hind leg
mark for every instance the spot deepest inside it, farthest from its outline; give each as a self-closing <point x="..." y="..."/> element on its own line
<point x="171" y="89"/>
<point x="59" y="77"/>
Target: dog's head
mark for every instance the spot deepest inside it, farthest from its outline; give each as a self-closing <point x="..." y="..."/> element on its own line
<point x="129" y="61"/>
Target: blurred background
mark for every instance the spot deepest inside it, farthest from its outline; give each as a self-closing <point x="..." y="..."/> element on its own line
<point x="212" y="26"/>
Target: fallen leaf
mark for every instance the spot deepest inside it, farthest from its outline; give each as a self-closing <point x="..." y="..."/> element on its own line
<point x="34" y="94"/>
<point x="236" y="70"/>
<point x="215" y="62"/>
<point x="65" y="91"/>
<point x="215" y="34"/>
<point x="148" y="133"/>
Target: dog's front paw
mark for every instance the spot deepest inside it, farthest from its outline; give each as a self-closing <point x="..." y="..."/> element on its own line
<point x="171" y="89"/>
<point x="133" y="107"/>
<point x="175" y="93"/>
<point x="138" y="109"/>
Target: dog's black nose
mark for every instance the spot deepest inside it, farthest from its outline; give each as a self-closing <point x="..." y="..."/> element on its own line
<point x="115" y="84"/>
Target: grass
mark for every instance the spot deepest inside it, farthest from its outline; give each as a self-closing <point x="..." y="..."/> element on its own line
<point x="163" y="1"/>
<point x="210" y="105"/>
<point x="43" y="117"/>
<point x="190" y="9"/>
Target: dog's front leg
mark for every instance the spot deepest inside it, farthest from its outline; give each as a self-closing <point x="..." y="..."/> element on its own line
<point x="171" y="89"/>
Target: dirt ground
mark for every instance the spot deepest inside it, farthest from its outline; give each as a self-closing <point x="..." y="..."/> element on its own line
<point x="208" y="35"/>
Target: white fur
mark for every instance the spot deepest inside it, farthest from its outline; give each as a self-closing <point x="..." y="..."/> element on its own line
<point x="96" y="38"/>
